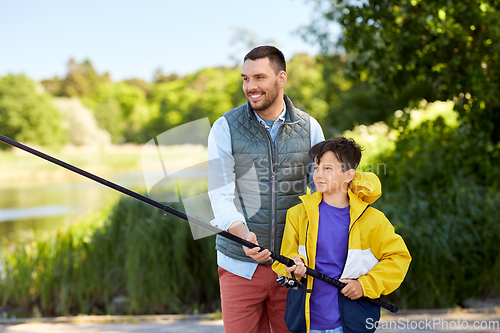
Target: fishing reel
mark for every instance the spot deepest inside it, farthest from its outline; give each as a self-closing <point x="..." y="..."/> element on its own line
<point x="292" y="283"/>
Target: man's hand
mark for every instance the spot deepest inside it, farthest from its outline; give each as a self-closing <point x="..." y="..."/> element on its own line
<point x="254" y="253"/>
<point x="353" y="290"/>
<point x="239" y="229"/>
<point x="299" y="269"/>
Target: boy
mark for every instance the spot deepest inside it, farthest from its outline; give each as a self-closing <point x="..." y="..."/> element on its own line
<point x="336" y="232"/>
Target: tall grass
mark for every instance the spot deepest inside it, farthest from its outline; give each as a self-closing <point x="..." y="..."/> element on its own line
<point x="127" y="250"/>
<point x="452" y="236"/>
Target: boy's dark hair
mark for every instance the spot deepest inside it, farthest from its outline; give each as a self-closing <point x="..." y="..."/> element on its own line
<point x="347" y="152"/>
<point x="275" y="56"/>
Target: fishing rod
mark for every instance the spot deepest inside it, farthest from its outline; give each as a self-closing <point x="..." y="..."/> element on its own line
<point x="278" y="257"/>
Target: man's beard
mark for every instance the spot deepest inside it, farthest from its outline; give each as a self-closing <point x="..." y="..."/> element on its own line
<point x="269" y="99"/>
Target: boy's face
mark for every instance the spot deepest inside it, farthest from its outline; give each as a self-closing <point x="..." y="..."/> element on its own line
<point x="328" y="175"/>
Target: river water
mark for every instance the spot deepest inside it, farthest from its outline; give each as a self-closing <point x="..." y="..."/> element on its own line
<point x="33" y="208"/>
<point x="39" y="207"/>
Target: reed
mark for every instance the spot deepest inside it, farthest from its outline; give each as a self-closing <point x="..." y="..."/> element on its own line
<point x="125" y="259"/>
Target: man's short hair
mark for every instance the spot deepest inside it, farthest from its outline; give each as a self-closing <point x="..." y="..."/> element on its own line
<point x="347" y="152"/>
<point x="275" y="56"/>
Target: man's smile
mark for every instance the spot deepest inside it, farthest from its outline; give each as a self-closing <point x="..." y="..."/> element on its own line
<point x="255" y="96"/>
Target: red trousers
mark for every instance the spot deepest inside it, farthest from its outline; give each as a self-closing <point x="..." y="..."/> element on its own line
<point x="252" y="306"/>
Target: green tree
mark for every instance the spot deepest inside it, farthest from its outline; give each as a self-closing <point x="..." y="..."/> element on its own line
<point x="160" y="77"/>
<point x="437" y="50"/>
<point x="123" y="110"/>
<point x="306" y="86"/>
<point x="207" y="93"/>
<point x="141" y="84"/>
<point x="320" y="86"/>
<point x="27" y="114"/>
<point x="52" y="86"/>
<point x="109" y="117"/>
<point x="81" y="81"/>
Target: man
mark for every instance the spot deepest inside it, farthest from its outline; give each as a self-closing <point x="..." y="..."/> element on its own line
<point x="270" y="136"/>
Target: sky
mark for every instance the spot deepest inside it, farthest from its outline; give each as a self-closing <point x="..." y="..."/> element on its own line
<point x="134" y="38"/>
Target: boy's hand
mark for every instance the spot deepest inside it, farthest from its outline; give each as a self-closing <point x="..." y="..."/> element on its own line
<point x="254" y="253"/>
<point x="299" y="269"/>
<point x="353" y="290"/>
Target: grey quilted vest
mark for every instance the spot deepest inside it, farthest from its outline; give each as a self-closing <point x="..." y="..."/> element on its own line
<point x="281" y="170"/>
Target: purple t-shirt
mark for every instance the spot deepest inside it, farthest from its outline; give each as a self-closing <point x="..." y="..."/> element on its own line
<point x="331" y="254"/>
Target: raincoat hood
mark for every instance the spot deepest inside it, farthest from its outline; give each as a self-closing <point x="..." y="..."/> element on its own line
<point x="366" y="186"/>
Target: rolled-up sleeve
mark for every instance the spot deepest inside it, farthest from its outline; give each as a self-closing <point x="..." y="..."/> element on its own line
<point x="221" y="176"/>
<point x="316" y="132"/>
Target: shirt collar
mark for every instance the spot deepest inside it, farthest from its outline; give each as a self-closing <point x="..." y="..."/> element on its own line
<point x="280" y="117"/>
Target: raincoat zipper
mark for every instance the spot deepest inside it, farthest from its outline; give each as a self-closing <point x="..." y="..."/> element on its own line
<point x="349" y="236"/>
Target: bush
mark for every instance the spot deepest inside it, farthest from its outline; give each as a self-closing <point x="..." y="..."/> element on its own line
<point x="440" y="190"/>
<point x="441" y="193"/>
<point x="81" y="124"/>
<point x="27" y="114"/>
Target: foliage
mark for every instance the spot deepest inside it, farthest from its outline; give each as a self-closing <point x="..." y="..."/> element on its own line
<point x="441" y="193"/>
<point x="380" y="139"/>
<point x="27" y="114"/>
<point x="451" y="236"/>
<point x="135" y="110"/>
<point x="141" y="84"/>
<point x="442" y="198"/>
<point x="351" y="103"/>
<point x="374" y="139"/>
<point x="109" y="117"/>
<point x="154" y="265"/>
<point x="81" y="81"/>
<point x="441" y="185"/>
<point x="437" y="50"/>
<point x="120" y="108"/>
<point x="437" y="149"/>
<point x="80" y="123"/>
<point x="305" y="86"/>
<point x="160" y="77"/>
<point x="209" y="92"/>
<point x="212" y="91"/>
<point x="123" y="110"/>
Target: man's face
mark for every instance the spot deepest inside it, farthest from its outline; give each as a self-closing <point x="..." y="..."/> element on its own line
<point x="328" y="175"/>
<point x="260" y="83"/>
